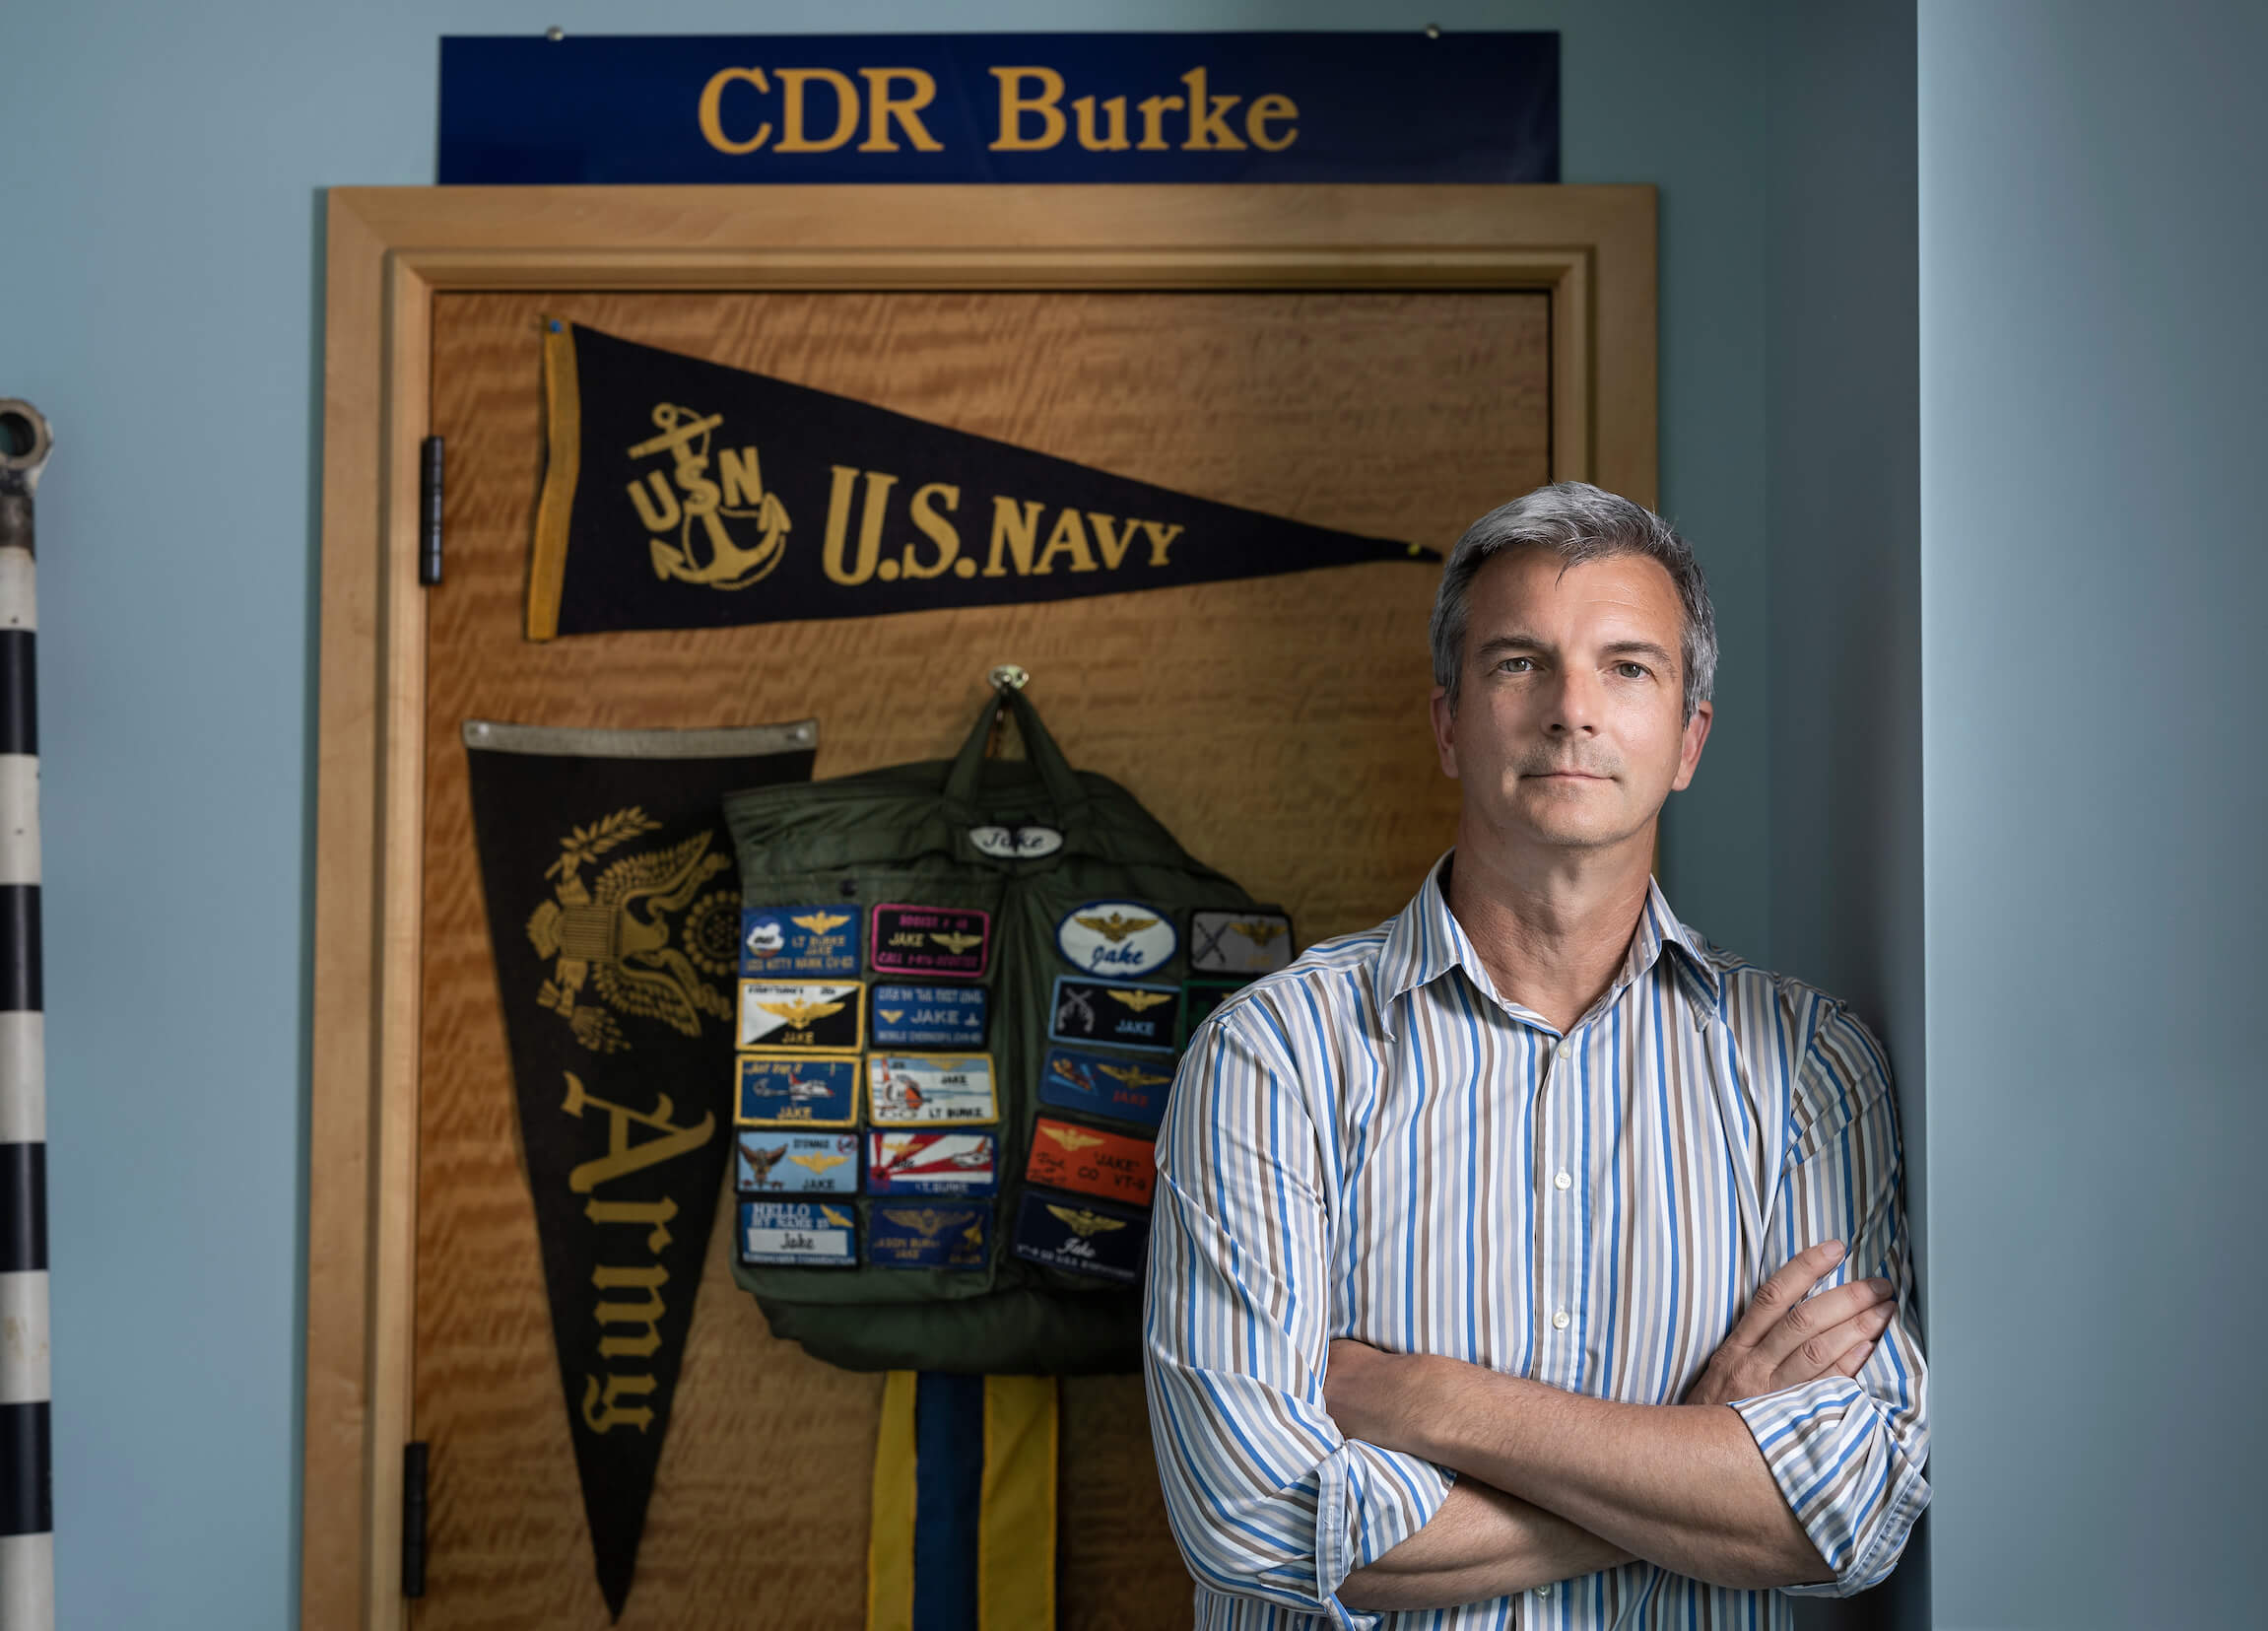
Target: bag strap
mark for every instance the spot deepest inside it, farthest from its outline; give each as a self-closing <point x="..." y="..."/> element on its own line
<point x="963" y="781"/>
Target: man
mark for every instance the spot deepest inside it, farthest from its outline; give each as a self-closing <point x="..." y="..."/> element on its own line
<point x="1481" y="1242"/>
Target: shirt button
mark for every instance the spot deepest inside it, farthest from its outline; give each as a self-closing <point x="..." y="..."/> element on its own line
<point x="1559" y="1319"/>
<point x="1560" y="1181"/>
<point x="1543" y="1591"/>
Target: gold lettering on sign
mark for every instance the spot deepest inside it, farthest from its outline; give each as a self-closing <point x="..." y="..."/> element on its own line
<point x="1016" y="102"/>
<point x="1114" y="141"/>
<point x="882" y="109"/>
<point x="623" y="1157"/>
<point x="711" y="111"/>
<point x="1207" y="129"/>
<point x="792" y="137"/>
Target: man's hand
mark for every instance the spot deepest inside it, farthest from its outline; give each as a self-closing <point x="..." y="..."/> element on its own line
<point x="1786" y="1338"/>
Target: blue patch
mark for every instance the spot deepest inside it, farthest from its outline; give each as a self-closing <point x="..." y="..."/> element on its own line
<point x="796" y="1090"/>
<point x="798" y="1234"/>
<point x="795" y="1163"/>
<point x="1102" y="1011"/>
<point x="928" y="1235"/>
<point x="928" y="1016"/>
<point x="1081" y="1236"/>
<point x="1104" y="1084"/>
<point x="1116" y="939"/>
<point x="799" y="939"/>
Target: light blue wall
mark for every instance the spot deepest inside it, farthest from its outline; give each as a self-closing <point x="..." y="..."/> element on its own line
<point x="2094" y="592"/>
<point x="160" y="219"/>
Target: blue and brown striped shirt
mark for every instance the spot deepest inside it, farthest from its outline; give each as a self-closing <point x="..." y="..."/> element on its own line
<point x="1374" y="1143"/>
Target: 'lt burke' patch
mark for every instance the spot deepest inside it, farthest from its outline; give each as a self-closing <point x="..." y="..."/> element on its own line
<point x="798" y="1234"/>
<point x="799" y="940"/>
<point x="1100" y="1010"/>
<point x="1068" y="1156"/>
<point x="931" y="939"/>
<point x="1239" y="942"/>
<point x="796" y="1090"/>
<point x="931" y="1163"/>
<point x="1116" y="939"/>
<point x="917" y="1090"/>
<point x="1133" y="1090"/>
<point x="928" y="1016"/>
<point x="929" y="1237"/>
<point x="1025" y="843"/>
<point x="795" y="1163"/>
<point x="1083" y="1237"/>
<point x="820" y="1016"/>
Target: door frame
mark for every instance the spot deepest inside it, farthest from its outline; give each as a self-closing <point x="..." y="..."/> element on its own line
<point x="391" y="250"/>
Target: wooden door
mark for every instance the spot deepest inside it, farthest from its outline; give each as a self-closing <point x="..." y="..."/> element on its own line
<point x="1277" y="727"/>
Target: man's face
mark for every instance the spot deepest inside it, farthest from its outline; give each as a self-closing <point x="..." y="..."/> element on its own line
<point x="1569" y="730"/>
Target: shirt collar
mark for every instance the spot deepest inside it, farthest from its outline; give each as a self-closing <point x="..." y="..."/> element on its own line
<point x="1426" y="941"/>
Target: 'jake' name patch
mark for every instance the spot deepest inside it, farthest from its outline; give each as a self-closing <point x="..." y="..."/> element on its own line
<point x="1239" y="942"/>
<point x="821" y="1016"/>
<point x="1091" y="1162"/>
<point x="928" y="1016"/>
<point x="938" y="1236"/>
<point x="931" y="1163"/>
<point x="1083" y="1237"/>
<point x="931" y="939"/>
<point x="1116" y="939"/>
<point x="795" y="1090"/>
<point x="1104" y="1084"/>
<point x="795" y="1163"/>
<point x="914" y="1090"/>
<point x="799" y="940"/>
<point x="1102" y="1010"/>
<point x="798" y="1234"/>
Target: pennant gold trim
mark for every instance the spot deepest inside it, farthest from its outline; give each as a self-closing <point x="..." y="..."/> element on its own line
<point x="563" y="468"/>
<point x="889" y="1534"/>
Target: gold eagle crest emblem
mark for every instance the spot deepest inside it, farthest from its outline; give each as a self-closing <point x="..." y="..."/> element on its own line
<point x="1073" y="1138"/>
<point x="802" y="1013"/>
<point x="1259" y="933"/>
<point x="926" y="1220"/>
<point x="957" y="943"/>
<point x="1141" y="1002"/>
<point x="816" y="1164"/>
<point x="1116" y="927"/>
<point x="890" y="1015"/>
<point x="1084" y="1223"/>
<point x="1133" y="1075"/>
<point x="822" y="922"/>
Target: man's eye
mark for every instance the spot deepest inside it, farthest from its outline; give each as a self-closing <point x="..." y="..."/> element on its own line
<point x="1631" y="670"/>
<point x="1516" y="665"/>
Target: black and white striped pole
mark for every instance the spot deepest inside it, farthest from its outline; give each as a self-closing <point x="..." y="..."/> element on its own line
<point x="27" y="1500"/>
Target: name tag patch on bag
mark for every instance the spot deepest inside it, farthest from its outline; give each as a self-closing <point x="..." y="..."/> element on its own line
<point x="911" y="1090"/>
<point x="1239" y="942"/>
<point x="821" y="1016"/>
<point x="1089" y="1161"/>
<point x="796" y="1090"/>
<point x="929" y="1237"/>
<point x="1133" y="1090"/>
<point x="1083" y="1237"/>
<point x="931" y="939"/>
<point x="1025" y="843"/>
<point x="795" y="1163"/>
<point x="931" y="1163"/>
<point x="1116" y="939"/>
<point x="798" y="1234"/>
<point x="1100" y="1010"/>
<point x="929" y="1016"/>
<point x="799" y="939"/>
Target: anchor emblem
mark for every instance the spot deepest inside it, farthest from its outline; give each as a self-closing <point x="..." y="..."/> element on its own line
<point x="736" y="494"/>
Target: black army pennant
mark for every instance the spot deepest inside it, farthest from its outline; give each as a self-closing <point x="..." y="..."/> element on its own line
<point x="614" y="913"/>
<point x="682" y="494"/>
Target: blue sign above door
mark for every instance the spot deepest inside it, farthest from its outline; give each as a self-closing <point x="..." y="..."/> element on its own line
<point x="1071" y="108"/>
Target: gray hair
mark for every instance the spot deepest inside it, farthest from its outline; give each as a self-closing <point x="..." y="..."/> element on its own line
<point x="1577" y="522"/>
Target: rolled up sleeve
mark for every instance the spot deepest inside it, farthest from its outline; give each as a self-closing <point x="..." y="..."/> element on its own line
<point x="1267" y="1499"/>
<point x="1848" y="1453"/>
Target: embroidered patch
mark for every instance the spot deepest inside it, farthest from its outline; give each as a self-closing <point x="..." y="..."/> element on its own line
<point x="1083" y="1237"/>
<point x="1133" y="1090"/>
<point x="931" y="939"/>
<point x="798" y="1234"/>
<point x="914" y="1090"/>
<point x="1068" y="1156"/>
<point x="929" y="1016"/>
<point x="795" y="1163"/>
<point x="1199" y="998"/>
<point x="931" y="1163"/>
<point x="796" y="1090"/>
<point x="929" y="1237"/>
<point x="1100" y="1010"/>
<point x="1116" y="939"/>
<point x="1028" y="842"/>
<point x="819" y="1016"/>
<point x="1239" y="942"/>
<point x="799" y="940"/>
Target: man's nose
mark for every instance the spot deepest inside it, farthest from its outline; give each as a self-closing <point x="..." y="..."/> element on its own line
<point x="1573" y="709"/>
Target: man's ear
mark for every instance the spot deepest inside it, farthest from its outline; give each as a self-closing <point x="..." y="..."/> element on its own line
<point x="1445" y="732"/>
<point x="1690" y="749"/>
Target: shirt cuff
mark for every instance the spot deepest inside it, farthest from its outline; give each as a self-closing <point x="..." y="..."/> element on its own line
<point x="1368" y="1501"/>
<point x="1815" y="1438"/>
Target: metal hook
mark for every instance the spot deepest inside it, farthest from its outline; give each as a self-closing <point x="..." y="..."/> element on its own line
<point x="1008" y="677"/>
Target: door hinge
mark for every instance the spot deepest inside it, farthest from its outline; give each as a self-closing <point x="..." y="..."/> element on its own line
<point x="414" y="1520"/>
<point x="430" y="512"/>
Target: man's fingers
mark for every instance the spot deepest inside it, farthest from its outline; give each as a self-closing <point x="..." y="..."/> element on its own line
<point x="1814" y="1317"/>
<point x="1784" y="1290"/>
<point x="1824" y="1351"/>
<point x="1850" y="1363"/>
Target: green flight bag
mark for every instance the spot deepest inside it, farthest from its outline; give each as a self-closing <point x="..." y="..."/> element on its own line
<point x="1032" y="843"/>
